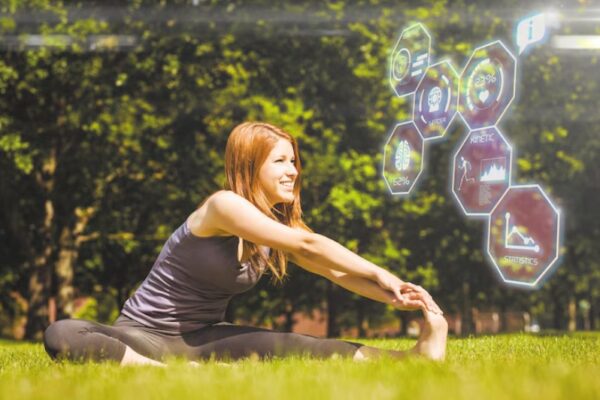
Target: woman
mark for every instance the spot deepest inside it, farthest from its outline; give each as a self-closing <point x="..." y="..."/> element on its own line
<point x="180" y="307"/>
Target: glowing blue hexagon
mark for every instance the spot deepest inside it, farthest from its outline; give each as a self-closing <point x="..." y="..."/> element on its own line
<point x="409" y="59"/>
<point x="403" y="158"/>
<point x="523" y="238"/>
<point x="487" y="85"/>
<point x="436" y="100"/>
<point x="481" y="171"/>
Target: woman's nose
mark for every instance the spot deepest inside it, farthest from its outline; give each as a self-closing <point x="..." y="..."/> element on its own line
<point x="292" y="170"/>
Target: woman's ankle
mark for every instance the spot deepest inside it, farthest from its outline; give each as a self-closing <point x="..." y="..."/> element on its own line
<point x="369" y="353"/>
<point x="131" y="357"/>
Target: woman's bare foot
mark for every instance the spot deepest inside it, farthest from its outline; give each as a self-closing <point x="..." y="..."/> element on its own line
<point x="132" y="357"/>
<point x="432" y="341"/>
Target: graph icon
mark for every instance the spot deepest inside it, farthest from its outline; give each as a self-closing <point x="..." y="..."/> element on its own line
<point x="515" y="240"/>
<point x="493" y="169"/>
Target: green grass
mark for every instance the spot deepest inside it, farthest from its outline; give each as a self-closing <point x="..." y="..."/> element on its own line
<point x="492" y="367"/>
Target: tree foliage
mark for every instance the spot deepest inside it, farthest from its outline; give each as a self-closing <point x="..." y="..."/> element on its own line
<point x="105" y="150"/>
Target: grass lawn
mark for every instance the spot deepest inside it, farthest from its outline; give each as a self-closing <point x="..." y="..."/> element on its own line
<point x="492" y="367"/>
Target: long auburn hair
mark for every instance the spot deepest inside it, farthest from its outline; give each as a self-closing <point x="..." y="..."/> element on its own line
<point x="247" y="148"/>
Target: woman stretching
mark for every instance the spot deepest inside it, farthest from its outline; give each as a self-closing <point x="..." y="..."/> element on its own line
<point x="222" y="249"/>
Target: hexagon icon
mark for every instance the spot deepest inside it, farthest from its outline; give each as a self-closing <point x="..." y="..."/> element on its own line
<point x="403" y="158"/>
<point x="481" y="171"/>
<point x="524" y="235"/>
<point x="436" y="100"/>
<point x="487" y="85"/>
<point x="409" y="59"/>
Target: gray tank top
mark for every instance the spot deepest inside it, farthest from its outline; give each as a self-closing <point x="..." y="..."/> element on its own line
<point x="191" y="282"/>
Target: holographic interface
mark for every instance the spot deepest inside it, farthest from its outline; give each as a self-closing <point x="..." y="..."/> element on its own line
<point x="523" y="225"/>
<point x="410" y="59"/>
<point x="436" y="100"/>
<point x="481" y="171"/>
<point x="403" y="158"/>
<point x="523" y="235"/>
<point x="487" y="85"/>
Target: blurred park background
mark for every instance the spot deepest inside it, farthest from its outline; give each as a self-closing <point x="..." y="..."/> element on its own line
<point x="113" y="123"/>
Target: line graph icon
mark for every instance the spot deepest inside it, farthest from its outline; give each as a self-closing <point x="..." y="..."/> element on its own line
<point x="512" y="236"/>
<point x="493" y="170"/>
<point x="523" y="236"/>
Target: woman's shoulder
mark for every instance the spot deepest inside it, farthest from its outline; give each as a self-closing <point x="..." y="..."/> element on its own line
<point x="227" y="202"/>
<point x="219" y="198"/>
<point x="225" y="196"/>
<point x="199" y="221"/>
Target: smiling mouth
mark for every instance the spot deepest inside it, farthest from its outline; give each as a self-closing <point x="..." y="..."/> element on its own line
<point x="289" y="185"/>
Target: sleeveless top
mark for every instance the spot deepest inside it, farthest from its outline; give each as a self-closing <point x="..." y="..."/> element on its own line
<point x="191" y="282"/>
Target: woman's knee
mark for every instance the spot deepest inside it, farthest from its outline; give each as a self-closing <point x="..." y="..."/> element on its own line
<point x="81" y="340"/>
<point x="56" y="337"/>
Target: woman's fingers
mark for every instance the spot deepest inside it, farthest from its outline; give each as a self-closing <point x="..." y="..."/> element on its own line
<point x="397" y="292"/>
<point x="425" y="298"/>
<point x="390" y="282"/>
<point x="417" y="297"/>
<point x="410" y="302"/>
<point x="408" y="287"/>
<point x="400" y="288"/>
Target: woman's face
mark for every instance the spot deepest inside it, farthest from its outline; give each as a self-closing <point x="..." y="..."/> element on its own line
<point x="278" y="173"/>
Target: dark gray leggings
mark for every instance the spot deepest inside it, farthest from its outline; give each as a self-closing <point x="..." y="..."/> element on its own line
<point x="81" y="340"/>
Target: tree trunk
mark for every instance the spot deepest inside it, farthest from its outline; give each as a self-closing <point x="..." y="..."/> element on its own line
<point x="333" y="329"/>
<point x="558" y="308"/>
<point x="360" y="318"/>
<point x="558" y="314"/>
<point x="593" y="308"/>
<point x="467" y="324"/>
<point x="41" y="274"/>
<point x="39" y="294"/>
<point x="587" y="325"/>
<point x="63" y="269"/>
<point x="404" y="321"/>
<point x="39" y="283"/>
<point x="572" y="315"/>
<point x="288" y="324"/>
<point x="69" y="244"/>
<point x="503" y="321"/>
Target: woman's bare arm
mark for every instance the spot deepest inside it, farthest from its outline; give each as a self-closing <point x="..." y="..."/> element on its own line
<point x="365" y="287"/>
<point x="228" y="212"/>
<point x="231" y="213"/>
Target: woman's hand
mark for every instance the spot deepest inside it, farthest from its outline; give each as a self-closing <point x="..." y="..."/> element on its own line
<point x="408" y="296"/>
<point x="413" y="301"/>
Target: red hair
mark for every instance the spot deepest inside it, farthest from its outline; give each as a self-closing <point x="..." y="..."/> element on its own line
<point x="248" y="146"/>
